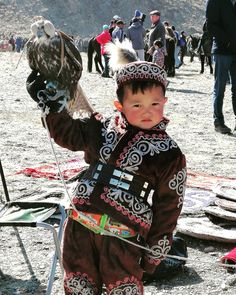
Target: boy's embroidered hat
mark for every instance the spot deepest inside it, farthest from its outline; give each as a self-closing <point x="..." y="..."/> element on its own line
<point x="141" y="71"/>
<point x="124" y="61"/>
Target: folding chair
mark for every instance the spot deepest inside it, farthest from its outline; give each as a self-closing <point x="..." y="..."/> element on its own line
<point x="34" y="214"/>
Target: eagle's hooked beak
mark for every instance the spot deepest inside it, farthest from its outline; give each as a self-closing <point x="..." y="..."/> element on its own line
<point x="40" y="32"/>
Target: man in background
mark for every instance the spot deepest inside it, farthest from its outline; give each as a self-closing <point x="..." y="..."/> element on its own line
<point x="157" y="31"/>
<point x="221" y="24"/>
<point x="118" y="32"/>
<point x="177" y="48"/>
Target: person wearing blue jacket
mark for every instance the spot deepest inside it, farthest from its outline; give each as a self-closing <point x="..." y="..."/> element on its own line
<point x="221" y="24"/>
<point x="136" y="34"/>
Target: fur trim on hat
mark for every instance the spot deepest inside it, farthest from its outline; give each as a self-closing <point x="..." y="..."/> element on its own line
<point x="121" y="53"/>
<point x="127" y="67"/>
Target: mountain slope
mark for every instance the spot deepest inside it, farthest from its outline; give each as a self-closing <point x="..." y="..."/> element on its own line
<point x="86" y="17"/>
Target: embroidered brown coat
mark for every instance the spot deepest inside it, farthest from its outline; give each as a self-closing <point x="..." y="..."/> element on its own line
<point x="151" y="154"/>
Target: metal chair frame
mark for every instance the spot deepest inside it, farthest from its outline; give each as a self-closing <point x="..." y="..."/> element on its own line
<point x="57" y="235"/>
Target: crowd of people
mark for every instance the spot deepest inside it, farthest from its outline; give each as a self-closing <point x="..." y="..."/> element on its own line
<point x="168" y="51"/>
<point x="12" y="42"/>
<point x="164" y="45"/>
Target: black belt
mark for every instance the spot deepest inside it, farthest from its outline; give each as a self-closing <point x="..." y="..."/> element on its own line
<point x="112" y="176"/>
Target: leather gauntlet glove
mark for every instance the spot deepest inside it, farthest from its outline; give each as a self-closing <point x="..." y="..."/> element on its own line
<point x="46" y="94"/>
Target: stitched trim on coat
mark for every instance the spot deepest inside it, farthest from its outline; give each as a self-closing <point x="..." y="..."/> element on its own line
<point x="130" y="285"/>
<point x="83" y="191"/>
<point x="178" y="184"/>
<point x="129" y="206"/>
<point x="163" y="247"/>
<point x="141" y="145"/>
<point x="78" y="283"/>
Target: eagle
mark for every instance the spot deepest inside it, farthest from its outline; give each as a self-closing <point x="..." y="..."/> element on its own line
<point x="53" y="54"/>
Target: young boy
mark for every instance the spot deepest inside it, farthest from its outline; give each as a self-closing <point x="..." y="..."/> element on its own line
<point x="133" y="187"/>
<point x="159" y="53"/>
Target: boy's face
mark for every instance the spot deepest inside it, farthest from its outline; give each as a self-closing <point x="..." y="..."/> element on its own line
<point x="144" y="110"/>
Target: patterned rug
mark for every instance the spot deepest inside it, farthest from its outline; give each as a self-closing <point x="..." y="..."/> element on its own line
<point x="199" y="194"/>
<point x="73" y="166"/>
<point x="203" y="228"/>
<point x="196" y="200"/>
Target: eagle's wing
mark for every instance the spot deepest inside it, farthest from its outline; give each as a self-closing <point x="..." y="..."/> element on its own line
<point x="30" y="53"/>
<point x="72" y="51"/>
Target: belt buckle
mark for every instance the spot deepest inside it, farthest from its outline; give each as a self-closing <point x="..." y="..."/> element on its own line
<point x="121" y="176"/>
<point x="119" y="184"/>
<point x="144" y="191"/>
<point x="97" y="172"/>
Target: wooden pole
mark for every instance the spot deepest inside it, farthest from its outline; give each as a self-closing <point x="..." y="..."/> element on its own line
<point x="4" y="182"/>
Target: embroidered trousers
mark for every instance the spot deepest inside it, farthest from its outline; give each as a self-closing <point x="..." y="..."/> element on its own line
<point x="91" y="260"/>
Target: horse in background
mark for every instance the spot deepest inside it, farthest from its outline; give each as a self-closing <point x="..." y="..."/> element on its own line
<point x="204" y="50"/>
<point x="192" y="45"/>
<point x="170" y="49"/>
<point x="200" y="45"/>
<point x="94" y="48"/>
<point x="170" y="58"/>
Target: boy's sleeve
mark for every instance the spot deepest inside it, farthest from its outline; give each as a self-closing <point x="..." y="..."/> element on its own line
<point x="68" y="132"/>
<point x="167" y="205"/>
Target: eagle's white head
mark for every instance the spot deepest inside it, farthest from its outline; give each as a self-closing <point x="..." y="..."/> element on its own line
<point x="43" y="29"/>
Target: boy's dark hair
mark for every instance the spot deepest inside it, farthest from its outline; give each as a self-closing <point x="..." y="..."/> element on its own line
<point x="158" y="43"/>
<point x="136" y="86"/>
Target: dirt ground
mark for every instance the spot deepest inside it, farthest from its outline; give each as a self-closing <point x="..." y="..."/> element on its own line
<point x="25" y="253"/>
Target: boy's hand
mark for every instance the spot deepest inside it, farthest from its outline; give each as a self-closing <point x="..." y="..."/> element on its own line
<point x="35" y="82"/>
<point x="46" y="94"/>
<point x="52" y="101"/>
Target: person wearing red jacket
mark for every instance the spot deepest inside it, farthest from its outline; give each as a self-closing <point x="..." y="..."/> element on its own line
<point x="103" y="39"/>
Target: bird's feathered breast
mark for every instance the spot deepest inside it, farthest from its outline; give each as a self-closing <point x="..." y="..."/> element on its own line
<point x="47" y="57"/>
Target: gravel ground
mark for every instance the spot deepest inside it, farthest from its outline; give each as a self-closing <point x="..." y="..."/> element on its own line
<point x="25" y="253"/>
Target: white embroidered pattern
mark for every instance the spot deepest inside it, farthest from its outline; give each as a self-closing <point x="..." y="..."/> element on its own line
<point x="84" y="189"/>
<point x="128" y="286"/>
<point x="145" y="145"/>
<point x="163" y="247"/>
<point x="78" y="284"/>
<point x="131" y="204"/>
<point x="126" y="289"/>
<point x="111" y="138"/>
<point x="162" y="125"/>
<point x="141" y="71"/>
<point x="178" y="184"/>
